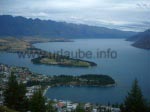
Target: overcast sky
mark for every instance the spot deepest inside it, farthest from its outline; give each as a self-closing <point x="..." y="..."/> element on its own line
<point x="132" y="15"/>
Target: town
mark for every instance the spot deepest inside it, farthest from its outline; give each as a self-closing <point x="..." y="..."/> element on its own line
<point x="25" y="76"/>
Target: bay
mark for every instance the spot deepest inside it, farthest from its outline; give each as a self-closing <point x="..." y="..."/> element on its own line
<point x="130" y="63"/>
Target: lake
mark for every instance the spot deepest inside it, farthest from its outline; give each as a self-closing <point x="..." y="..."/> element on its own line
<point x="129" y="64"/>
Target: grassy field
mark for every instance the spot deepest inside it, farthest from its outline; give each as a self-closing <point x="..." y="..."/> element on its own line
<point x="65" y="62"/>
<point x="10" y="43"/>
<point x="22" y="43"/>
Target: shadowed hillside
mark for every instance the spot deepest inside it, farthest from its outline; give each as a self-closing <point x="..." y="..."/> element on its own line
<point x="141" y="40"/>
<point x="20" y="26"/>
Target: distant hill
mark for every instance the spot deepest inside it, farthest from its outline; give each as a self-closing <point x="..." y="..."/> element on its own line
<point x="20" y="26"/>
<point x="141" y="40"/>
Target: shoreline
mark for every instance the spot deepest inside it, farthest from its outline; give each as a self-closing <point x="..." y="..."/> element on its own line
<point x="72" y="86"/>
<point x="45" y="90"/>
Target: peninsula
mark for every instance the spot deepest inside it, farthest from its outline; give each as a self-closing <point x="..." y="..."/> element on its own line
<point x="63" y="61"/>
<point x="30" y="78"/>
<point x="82" y="80"/>
<point x="24" y="46"/>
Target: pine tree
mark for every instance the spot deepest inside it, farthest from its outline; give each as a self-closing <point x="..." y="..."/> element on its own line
<point x="134" y="102"/>
<point x="37" y="102"/>
<point x="14" y="95"/>
<point x="50" y="107"/>
<point x="79" y="108"/>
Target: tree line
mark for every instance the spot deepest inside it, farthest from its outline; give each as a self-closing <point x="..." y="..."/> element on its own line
<point x="15" y="97"/>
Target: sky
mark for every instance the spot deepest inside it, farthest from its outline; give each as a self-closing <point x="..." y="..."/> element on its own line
<point x="128" y="15"/>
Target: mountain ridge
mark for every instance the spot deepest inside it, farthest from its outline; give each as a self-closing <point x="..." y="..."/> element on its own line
<point x="20" y="26"/>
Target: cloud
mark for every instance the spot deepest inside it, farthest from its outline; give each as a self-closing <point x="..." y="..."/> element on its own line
<point x="109" y="13"/>
<point x="143" y="5"/>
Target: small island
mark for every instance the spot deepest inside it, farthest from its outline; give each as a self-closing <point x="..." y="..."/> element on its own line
<point x="82" y="80"/>
<point x="62" y="61"/>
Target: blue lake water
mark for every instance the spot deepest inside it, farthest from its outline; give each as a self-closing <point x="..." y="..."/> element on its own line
<point x="130" y="63"/>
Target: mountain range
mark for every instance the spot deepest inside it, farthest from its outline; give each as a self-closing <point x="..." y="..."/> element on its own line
<point x="21" y="26"/>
